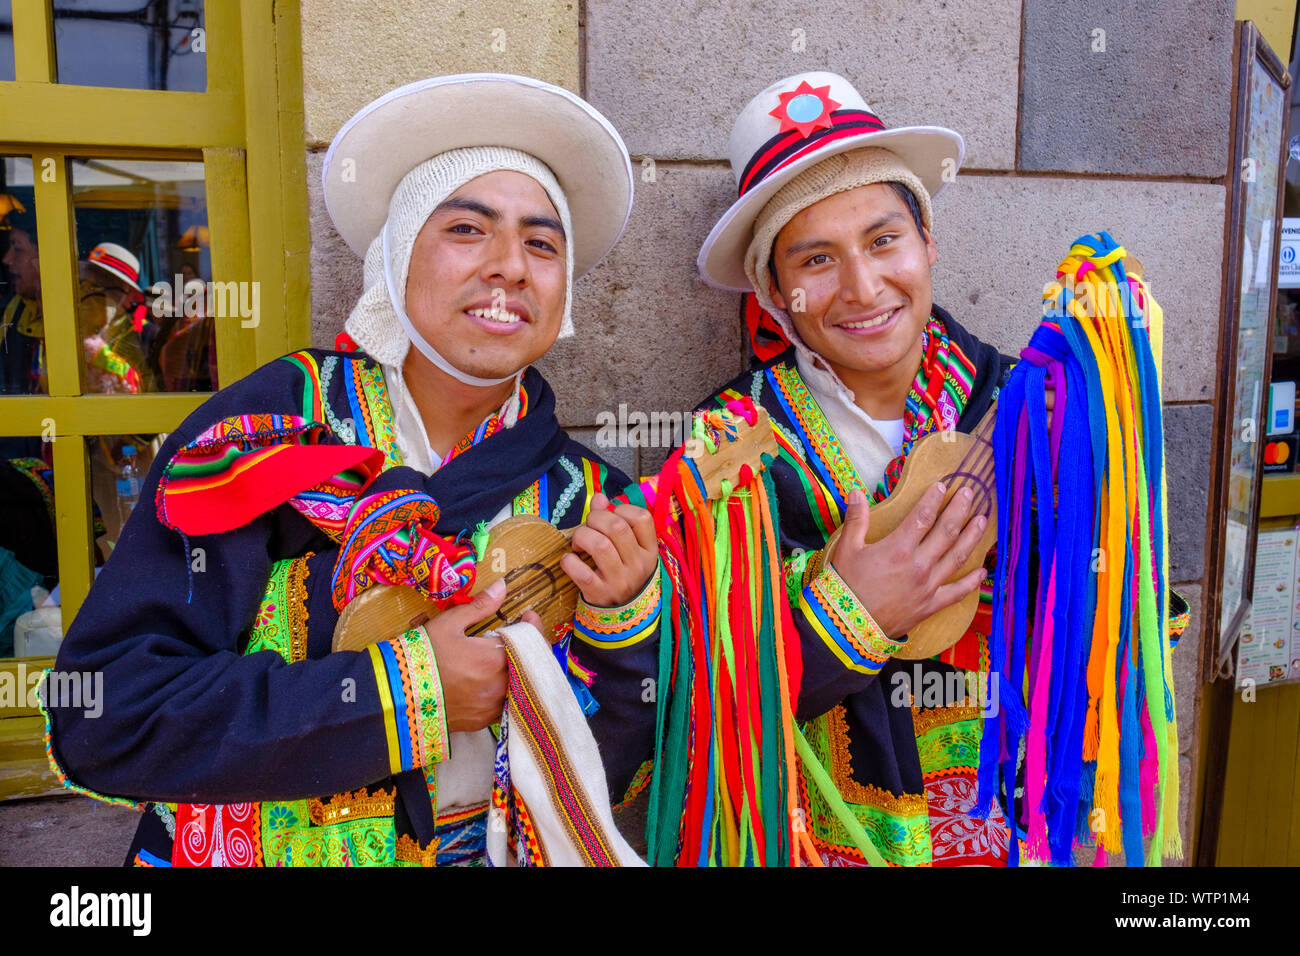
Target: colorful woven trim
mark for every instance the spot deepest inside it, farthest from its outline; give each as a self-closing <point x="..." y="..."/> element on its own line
<point x="415" y="725"/>
<point x="529" y="501"/>
<point x="64" y="780"/>
<point x="245" y="465"/>
<point x="843" y="624"/>
<point x="816" y="434"/>
<point x="281" y="622"/>
<point x="640" y="780"/>
<point x="389" y="539"/>
<point x="593" y="478"/>
<point x="357" y="805"/>
<point x="313" y="407"/>
<point x="1180" y="616"/>
<point x="528" y="717"/>
<point x="459" y="838"/>
<point x="615" y="627"/>
<point x="491" y="425"/>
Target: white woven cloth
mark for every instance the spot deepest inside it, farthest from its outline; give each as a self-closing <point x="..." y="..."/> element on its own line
<point x="555" y="768"/>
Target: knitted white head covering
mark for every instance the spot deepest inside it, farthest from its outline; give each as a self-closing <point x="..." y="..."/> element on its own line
<point x="379" y="323"/>
<point x="835" y="174"/>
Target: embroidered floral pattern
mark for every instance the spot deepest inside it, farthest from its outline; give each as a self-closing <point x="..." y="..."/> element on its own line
<point x="358" y="843"/>
<point x="897" y="824"/>
<point x="428" y="692"/>
<point x="281" y="621"/>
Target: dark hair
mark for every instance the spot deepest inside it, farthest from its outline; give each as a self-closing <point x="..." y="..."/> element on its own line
<point x="24" y="222"/>
<point x="904" y="193"/>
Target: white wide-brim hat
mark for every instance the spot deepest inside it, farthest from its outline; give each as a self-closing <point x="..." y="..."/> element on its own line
<point x="389" y="137"/>
<point x="796" y="123"/>
<point x="117" y="261"/>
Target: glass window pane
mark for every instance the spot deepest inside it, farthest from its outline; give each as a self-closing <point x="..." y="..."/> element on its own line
<point x="6" y="40"/>
<point x="147" y="304"/>
<point x="22" y="325"/>
<point x="30" y="623"/>
<point x="132" y="44"/>
<point x="118" y="465"/>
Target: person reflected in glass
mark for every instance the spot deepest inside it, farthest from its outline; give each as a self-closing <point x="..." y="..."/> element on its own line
<point x="113" y="318"/>
<point x="187" y="361"/>
<point x="22" y="325"/>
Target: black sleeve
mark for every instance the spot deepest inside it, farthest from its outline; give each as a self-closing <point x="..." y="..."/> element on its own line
<point x="180" y="715"/>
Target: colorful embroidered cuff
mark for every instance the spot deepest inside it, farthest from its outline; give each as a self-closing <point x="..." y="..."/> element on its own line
<point x="610" y="628"/>
<point x="415" y="724"/>
<point x="843" y="624"/>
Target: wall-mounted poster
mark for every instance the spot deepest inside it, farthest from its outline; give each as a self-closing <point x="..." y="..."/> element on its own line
<point x="1255" y="209"/>
<point x="1269" y="649"/>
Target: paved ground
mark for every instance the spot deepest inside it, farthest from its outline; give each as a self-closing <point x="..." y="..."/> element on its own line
<point x="64" y="831"/>
<point x="78" y="831"/>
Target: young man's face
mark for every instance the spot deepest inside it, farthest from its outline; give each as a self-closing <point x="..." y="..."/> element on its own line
<point x="864" y="269"/>
<point x="497" y="232"/>
<point x="24" y="264"/>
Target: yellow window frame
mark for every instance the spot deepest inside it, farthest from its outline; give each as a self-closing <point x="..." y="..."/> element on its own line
<point x="247" y="129"/>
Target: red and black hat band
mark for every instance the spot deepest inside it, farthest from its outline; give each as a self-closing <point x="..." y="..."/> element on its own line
<point x="788" y="146"/>
<point x="103" y="258"/>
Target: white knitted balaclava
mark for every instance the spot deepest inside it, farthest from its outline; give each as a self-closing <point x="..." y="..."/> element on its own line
<point x="379" y="323"/>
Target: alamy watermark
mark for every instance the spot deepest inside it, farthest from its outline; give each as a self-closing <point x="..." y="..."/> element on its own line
<point x="75" y="908"/>
<point x="196" y="299"/>
<point x="638" y="429"/>
<point x="79" y="690"/>
<point x="956" y="688"/>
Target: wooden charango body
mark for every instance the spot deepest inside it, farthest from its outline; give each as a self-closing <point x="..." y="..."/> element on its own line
<point x="524" y="551"/>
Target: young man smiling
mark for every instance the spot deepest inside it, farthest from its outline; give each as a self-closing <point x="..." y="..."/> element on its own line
<point x="476" y="200"/>
<point x="832" y="234"/>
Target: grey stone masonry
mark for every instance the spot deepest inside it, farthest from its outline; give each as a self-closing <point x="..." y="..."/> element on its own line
<point x="673" y="76"/>
<point x="1133" y="87"/>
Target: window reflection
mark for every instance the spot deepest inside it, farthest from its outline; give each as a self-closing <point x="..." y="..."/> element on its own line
<point x="22" y="325"/>
<point x="146" y="316"/>
<point x="132" y="44"/>
<point x="30" y="614"/>
<point x="6" y="40"/>
<point x="30" y="623"/>
<point x="118" y="465"/>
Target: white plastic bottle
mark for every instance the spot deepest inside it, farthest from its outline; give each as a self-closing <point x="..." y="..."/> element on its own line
<point x="128" y="483"/>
